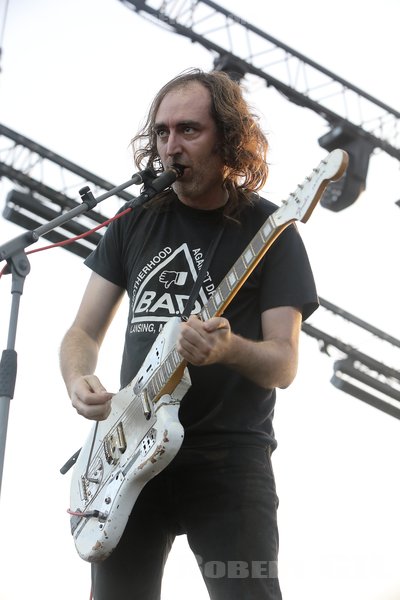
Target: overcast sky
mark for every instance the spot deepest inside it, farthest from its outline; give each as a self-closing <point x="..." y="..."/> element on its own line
<point x="77" y="76"/>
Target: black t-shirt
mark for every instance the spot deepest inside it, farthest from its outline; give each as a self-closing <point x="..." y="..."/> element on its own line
<point x="155" y="254"/>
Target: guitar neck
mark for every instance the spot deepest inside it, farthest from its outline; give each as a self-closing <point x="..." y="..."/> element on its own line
<point x="242" y="269"/>
<point x="167" y="376"/>
<point x="298" y="206"/>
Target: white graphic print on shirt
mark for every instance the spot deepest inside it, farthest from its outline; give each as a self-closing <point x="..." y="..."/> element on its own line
<point x="163" y="285"/>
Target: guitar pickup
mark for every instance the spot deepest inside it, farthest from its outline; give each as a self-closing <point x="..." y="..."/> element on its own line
<point x="146" y="404"/>
<point x="121" y="438"/>
<point x="115" y="445"/>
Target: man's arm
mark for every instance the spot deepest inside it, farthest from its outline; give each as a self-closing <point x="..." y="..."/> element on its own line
<point x="270" y="363"/>
<point x="81" y="344"/>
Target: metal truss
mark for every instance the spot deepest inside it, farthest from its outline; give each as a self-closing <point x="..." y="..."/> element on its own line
<point x="247" y="49"/>
<point x="365" y="374"/>
<point x="47" y="185"/>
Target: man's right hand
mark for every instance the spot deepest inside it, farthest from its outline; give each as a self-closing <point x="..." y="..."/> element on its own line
<point x="90" y="398"/>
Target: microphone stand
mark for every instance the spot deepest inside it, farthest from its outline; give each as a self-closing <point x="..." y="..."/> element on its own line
<point x="13" y="252"/>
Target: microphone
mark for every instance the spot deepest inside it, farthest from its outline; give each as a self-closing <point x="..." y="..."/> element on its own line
<point x="164" y="180"/>
<point x="158" y="184"/>
<point x="142" y="176"/>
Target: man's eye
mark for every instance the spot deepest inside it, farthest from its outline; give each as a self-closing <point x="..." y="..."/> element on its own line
<point x="161" y="133"/>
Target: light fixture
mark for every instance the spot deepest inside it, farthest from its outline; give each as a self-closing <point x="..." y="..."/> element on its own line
<point x="343" y="193"/>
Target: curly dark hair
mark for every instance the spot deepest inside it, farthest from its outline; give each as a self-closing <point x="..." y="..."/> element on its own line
<point x="243" y="146"/>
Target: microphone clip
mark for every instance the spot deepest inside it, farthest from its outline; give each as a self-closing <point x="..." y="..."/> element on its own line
<point x="158" y="184"/>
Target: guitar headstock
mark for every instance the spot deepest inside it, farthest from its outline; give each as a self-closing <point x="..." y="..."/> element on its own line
<point x="301" y="203"/>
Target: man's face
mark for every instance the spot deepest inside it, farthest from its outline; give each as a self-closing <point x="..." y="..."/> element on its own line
<point x="187" y="135"/>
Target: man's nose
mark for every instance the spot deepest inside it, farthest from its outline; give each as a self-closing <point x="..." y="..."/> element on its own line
<point x="174" y="145"/>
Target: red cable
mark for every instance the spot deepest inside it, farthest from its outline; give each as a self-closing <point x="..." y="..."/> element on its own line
<point x="82" y="235"/>
<point x="74" y="239"/>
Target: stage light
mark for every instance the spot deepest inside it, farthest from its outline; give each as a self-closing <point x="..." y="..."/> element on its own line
<point x="355" y="379"/>
<point x="231" y="66"/>
<point x="343" y="193"/>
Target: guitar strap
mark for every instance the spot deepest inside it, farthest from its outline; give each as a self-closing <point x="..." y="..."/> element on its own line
<point x="202" y="273"/>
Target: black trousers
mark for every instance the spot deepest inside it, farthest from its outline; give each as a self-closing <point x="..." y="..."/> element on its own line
<point x="224" y="499"/>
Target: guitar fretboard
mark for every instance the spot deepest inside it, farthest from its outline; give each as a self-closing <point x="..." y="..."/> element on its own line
<point x="242" y="269"/>
<point x="164" y="373"/>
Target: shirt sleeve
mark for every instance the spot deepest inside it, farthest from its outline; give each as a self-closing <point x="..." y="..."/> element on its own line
<point x="287" y="275"/>
<point x="106" y="258"/>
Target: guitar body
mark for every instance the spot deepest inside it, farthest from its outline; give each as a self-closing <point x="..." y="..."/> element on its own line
<point x="143" y="433"/>
<point x="137" y="441"/>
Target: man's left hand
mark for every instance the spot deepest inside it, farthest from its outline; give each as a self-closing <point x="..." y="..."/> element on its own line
<point x="204" y="342"/>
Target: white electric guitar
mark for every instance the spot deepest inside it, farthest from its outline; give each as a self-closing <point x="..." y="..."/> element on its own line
<point x="143" y="433"/>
